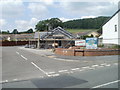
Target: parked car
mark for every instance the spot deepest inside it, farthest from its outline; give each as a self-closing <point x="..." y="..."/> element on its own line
<point x="26" y="46"/>
<point x="32" y="46"/>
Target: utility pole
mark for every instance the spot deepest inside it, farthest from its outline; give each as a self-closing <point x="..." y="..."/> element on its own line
<point x="38" y="40"/>
<point x="16" y="39"/>
<point x="29" y="41"/>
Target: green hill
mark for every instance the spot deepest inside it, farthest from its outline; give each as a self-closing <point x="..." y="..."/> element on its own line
<point x="89" y="23"/>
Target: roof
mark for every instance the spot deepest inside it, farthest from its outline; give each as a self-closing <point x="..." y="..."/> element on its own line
<point x="111" y="17"/>
<point x="61" y="30"/>
<point x="17" y="36"/>
<point x="85" y="33"/>
<point x="44" y="35"/>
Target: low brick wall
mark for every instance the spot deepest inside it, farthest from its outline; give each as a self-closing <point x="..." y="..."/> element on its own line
<point x="86" y="52"/>
<point x="102" y="52"/>
<point x="65" y="52"/>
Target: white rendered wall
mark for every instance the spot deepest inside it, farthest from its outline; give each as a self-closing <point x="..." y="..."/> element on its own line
<point x="109" y="34"/>
<point x="119" y="24"/>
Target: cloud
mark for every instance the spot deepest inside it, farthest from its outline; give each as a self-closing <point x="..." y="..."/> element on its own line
<point x="11" y="8"/>
<point x="64" y="19"/>
<point x="38" y="10"/>
<point x="48" y="2"/>
<point x="67" y="19"/>
<point x="87" y="17"/>
<point x="23" y="25"/>
<point x="2" y="23"/>
<point x="89" y="8"/>
<point x="33" y="21"/>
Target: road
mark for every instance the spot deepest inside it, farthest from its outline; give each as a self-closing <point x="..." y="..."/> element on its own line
<point x="21" y="68"/>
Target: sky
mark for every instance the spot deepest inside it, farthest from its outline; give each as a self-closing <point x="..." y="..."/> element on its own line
<point x="25" y="14"/>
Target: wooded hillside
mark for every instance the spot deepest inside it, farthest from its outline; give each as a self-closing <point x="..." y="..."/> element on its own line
<point x="90" y="23"/>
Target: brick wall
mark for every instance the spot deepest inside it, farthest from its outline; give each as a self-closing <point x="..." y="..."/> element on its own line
<point x="65" y="52"/>
<point x="85" y="52"/>
<point x="13" y="43"/>
<point x="101" y="52"/>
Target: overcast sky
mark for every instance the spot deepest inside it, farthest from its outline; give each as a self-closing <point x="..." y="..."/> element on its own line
<point x="22" y="15"/>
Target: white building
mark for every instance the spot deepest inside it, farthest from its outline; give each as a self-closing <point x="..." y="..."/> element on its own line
<point x="111" y="29"/>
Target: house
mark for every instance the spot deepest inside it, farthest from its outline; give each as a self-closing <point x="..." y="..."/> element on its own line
<point x="57" y="36"/>
<point x="89" y="33"/>
<point x="111" y="29"/>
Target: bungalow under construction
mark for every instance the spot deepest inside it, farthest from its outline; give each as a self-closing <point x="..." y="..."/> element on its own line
<point x="57" y="37"/>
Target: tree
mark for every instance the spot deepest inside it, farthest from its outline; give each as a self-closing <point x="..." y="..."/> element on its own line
<point x="5" y="32"/>
<point x="30" y="30"/>
<point x="88" y="23"/>
<point x="55" y="22"/>
<point x="15" y="31"/>
<point x="48" y="24"/>
<point x="8" y="31"/>
<point x="40" y="26"/>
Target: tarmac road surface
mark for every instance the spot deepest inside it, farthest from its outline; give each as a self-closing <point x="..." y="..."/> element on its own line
<point x="26" y="69"/>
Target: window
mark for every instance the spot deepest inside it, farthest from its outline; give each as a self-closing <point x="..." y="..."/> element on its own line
<point x="115" y="28"/>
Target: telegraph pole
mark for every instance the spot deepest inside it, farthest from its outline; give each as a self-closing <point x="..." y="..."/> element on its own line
<point x="38" y="40"/>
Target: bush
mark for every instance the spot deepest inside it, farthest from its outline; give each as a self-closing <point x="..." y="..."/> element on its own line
<point x="102" y="45"/>
<point x="116" y="47"/>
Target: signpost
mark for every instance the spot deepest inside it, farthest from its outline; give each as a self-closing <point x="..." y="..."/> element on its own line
<point x="91" y="43"/>
<point x="80" y="43"/>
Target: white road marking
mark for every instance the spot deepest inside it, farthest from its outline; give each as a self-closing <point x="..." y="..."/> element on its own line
<point x="100" y="66"/>
<point x="95" y="65"/>
<point x="63" y="71"/>
<point x="51" y="72"/>
<point x="103" y="64"/>
<point x="18" y="53"/>
<point x="56" y="74"/>
<point x="41" y="76"/>
<point x="66" y="60"/>
<point x="92" y="68"/>
<point x="4" y="81"/>
<point x="108" y="65"/>
<point x="81" y="70"/>
<point x="23" y="57"/>
<point x="39" y="68"/>
<point x="115" y="63"/>
<point x="106" y="84"/>
<point x="86" y="67"/>
<point x="75" y="69"/>
<point x="15" y="79"/>
<point x="53" y="75"/>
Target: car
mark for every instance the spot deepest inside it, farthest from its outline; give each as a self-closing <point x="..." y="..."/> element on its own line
<point x="26" y="46"/>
